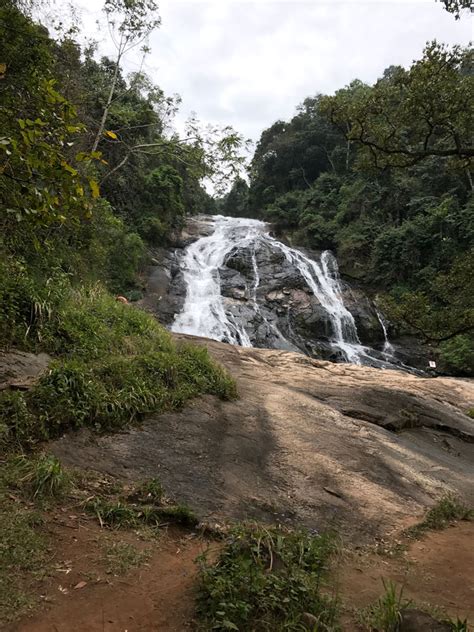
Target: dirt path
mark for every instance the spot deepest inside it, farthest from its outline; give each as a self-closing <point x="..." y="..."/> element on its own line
<point x="159" y="595"/>
<point x="82" y="595"/>
<point x="436" y="571"/>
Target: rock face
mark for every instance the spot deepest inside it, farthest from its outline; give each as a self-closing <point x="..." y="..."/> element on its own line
<point x="265" y="291"/>
<point x="308" y="442"/>
<point x="20" y="370"/>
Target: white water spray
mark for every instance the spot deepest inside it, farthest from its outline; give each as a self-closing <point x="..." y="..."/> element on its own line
<point x="204" y="312"/>
<point x="323" y="279"/>
<point x="388" y="348"/>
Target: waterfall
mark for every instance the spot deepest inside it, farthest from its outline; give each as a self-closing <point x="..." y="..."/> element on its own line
<point x="204" y="312"/>
<point x="323" y="279"/>
<point x="388" y="348"/>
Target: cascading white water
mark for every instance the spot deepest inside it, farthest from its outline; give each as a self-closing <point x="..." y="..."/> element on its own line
<point x="388" y="348"/>
<point x="323" y="279"/>
<point x="204" y="312"/>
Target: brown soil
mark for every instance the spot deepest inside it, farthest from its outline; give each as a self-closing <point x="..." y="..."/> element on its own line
<point x="159" y="595"/>
<point x="436" y="571"/>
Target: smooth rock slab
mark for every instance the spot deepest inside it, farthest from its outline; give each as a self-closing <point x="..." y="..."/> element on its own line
<point x="308" y="442"/>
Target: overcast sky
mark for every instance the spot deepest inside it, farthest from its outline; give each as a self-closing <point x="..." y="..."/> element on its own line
<point x="250" y="63"/>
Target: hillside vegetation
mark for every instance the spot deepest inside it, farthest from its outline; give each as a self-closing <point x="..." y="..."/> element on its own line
<point x="382" y="175"/>
<point x="70" y="233"/>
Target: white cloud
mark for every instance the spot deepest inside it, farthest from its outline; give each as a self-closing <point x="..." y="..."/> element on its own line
<point x="249" y="63"/>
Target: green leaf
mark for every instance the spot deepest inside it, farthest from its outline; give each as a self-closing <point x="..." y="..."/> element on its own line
<point x="94" y="188"/>
<point x="69" y="168"/>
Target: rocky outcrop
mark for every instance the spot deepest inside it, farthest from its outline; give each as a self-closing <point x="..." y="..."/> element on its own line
<point x="20" y="370"/>
<point x="308" y="442"/>
<point x="266" y="292"/>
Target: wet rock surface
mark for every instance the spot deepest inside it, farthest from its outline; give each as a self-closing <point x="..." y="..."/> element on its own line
<point x="268" y="295"/>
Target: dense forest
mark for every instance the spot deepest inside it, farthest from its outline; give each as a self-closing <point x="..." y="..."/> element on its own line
<point x="382" y="175"/>
<point x="92" y="175"/>
<point x="91" y="172"/>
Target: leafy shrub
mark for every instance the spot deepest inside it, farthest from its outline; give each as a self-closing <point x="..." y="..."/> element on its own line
<point x="266" y="579"/>
<point x="27" y="303"/>
<point x="458" y="355"/>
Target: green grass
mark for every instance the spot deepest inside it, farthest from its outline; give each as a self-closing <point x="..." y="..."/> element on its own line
<point x="119" y="513"/>
<point x="447" y="510"/>
<point x="113" y="513"/>
<point x="143" y="505"/>
<point x="267" y="580"/>
<point x="119" y="365"/>
<point x="150" y="491"/>
<point x="39" y="476"/>
<point x="385" y="614"/>
<point x="120" y="557"/>
<point x="23" y="556"/>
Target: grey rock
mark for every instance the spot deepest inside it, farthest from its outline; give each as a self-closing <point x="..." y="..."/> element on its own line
<point x="288" y="314"/>
<point x="417" y="621"/>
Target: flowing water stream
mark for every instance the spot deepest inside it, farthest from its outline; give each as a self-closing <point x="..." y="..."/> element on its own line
<point x="205" y="311"/>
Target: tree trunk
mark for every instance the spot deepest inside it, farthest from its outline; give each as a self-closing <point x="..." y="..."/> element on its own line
<point x="105" y="113"/>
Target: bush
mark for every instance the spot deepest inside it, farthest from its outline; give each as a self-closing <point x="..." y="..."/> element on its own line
<point x="27" y="303"/>
<point x="447" y="510"/>
<point x="266" y="579"/>
<point x="457" y="355"/>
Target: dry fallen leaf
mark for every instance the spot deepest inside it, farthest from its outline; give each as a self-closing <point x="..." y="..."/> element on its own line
<point x="80" y="585"/>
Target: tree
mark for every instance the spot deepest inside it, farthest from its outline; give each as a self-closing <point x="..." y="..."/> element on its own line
<point x="237" y="200"/>
<point x="44" y="182"/>
<point x="411" y="115"/>
<point x="456" y="6"/>
<point x="290" y="156"/>
<point x="130" y="22"/>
